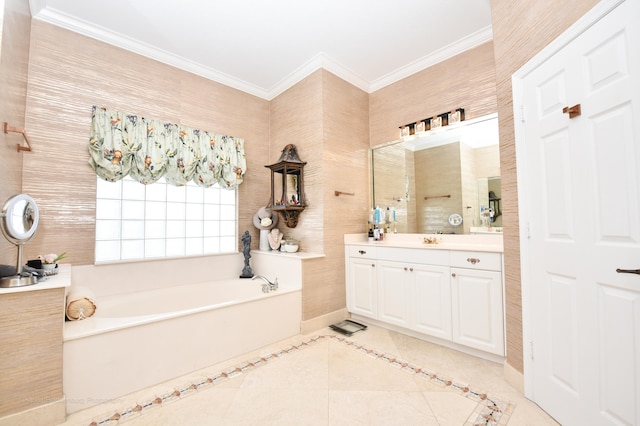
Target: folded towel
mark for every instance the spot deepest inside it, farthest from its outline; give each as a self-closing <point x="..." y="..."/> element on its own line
<point x="80" y="303"/>
<point x="7" y="271"/>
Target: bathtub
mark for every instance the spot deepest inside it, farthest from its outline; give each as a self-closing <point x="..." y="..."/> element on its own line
<point x="141" y="339"/>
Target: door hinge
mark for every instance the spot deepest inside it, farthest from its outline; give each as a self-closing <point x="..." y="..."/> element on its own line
<point x="522" y="113"/>
<point x="531" y="349"/>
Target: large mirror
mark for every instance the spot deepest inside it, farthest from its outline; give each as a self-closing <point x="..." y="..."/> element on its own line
<point x="444" y="181"/>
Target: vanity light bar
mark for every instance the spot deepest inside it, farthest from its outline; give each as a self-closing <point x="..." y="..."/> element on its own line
<point x="437" y="121"/>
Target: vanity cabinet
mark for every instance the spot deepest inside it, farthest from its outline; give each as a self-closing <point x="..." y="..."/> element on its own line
<point x="395" y="285"/>
<point x="362" y="292"/>
<point x="415" y="296"/>
<point x="453" y="296"/>
<point x="413" y="289"/>
<point x="476" y="300"/>
<point x="432" y="301"/>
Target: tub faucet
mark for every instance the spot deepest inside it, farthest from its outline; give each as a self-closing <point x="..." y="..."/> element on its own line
<point x="268" y="285"/>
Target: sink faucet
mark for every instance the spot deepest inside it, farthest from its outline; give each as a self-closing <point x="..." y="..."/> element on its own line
<point x="268" y="285"/>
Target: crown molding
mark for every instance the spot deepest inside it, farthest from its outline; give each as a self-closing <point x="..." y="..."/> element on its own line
<point x="60" y="19"/>
<point x="35" y="6"/>
<point x="481" y="36"/>
<point x="319" y="61"/>
<point x="55" y="17"/>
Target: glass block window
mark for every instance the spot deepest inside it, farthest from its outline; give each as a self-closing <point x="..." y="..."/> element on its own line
<point x="135" y="221"/>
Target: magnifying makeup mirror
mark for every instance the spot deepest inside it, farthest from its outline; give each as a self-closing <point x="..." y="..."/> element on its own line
<point x="19" y="221"/>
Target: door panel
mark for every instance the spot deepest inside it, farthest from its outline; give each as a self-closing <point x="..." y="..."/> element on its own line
<point x="363" y="296"/>
<point x="476" y="309"/>
<point x="615" y="167"/>
<point x="564" y="351"/>
<point x="620" y="310"/>
<point x="394" y="292"/>
<point x="555" y="155"/>
<point x="432" y="300"/>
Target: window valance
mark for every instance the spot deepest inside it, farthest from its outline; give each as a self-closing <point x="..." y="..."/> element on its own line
<point x="146" y="149"/>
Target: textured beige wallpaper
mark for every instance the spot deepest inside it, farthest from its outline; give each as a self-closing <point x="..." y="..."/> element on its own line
<point x="14" y="57"/>
<point x="438" y="170"/>
<point x="31" y="365"/>
<point x="468" y="188"/>
<point x="327" y="119"/>
<point x="487" y="160"/>
<point x="345" y="158"/>
<point x="464" y="81"/>
<point x="394" y="171"/>
<point x="296" y="118"/>
<point x="68" y="74"/>
<point x="520" y="30"/>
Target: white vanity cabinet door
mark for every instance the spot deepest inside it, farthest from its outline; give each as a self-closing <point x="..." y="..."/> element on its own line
<point x="362" y="290"/>
<point x="395" y="290"/>
<point x="477" y="309"/>
<point x="432" y="300"/>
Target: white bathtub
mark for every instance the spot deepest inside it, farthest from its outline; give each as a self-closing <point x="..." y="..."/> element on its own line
<point x="141" y="339"/>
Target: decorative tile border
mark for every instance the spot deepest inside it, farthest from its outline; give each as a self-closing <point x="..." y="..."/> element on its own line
<point x="489" y="412"/>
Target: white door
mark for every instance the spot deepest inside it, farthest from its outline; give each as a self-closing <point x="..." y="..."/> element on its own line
<point x="582" y="206"/>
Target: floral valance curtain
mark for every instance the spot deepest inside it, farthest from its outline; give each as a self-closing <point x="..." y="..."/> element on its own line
<point x="146" y="149"/>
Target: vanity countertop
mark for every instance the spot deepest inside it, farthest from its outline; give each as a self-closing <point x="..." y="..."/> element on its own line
<point x="60" y="280"/>
<point x="487" y="242"/>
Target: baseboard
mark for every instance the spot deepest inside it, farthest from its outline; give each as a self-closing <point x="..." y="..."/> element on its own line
<point x="317" y="323"/>
<point x="446" y="343"/>
<point x="43" y="415"/>
<point x="513" y="377"/>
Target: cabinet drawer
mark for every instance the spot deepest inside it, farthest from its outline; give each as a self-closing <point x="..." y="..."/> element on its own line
<point x="365" y="252"/>
<point x="415" y="256"/>
<point x="488" y="261"/>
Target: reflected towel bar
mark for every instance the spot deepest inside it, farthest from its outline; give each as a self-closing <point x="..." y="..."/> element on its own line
<point x="343" y="193"/>
<point x="8" y="129"/>
<point x="438" y="196"/>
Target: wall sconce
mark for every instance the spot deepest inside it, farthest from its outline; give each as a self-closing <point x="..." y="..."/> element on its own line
<point x="287" y="190"/>
<point x="417" y="128"/>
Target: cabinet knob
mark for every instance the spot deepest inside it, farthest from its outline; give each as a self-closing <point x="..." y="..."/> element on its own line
<point x="405" y="268"/>
<point x="453" y="274"/>
<point x="373" y="265"/>
<point x="362" y="252"/>
<point x="411" y="269"/>
<point x="473" y="260"/>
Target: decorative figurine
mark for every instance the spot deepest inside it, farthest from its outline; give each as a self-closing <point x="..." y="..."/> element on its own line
<point x="246" y="250"/>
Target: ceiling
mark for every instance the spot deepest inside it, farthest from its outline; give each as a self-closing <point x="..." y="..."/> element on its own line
<point x="265" y="47"/>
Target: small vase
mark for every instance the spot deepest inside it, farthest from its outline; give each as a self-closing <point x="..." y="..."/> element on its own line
<point x="49" y="268"/>
<point x="264" y="240"/>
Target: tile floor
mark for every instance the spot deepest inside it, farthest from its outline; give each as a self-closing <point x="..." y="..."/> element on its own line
<point x="375" y="377"/>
